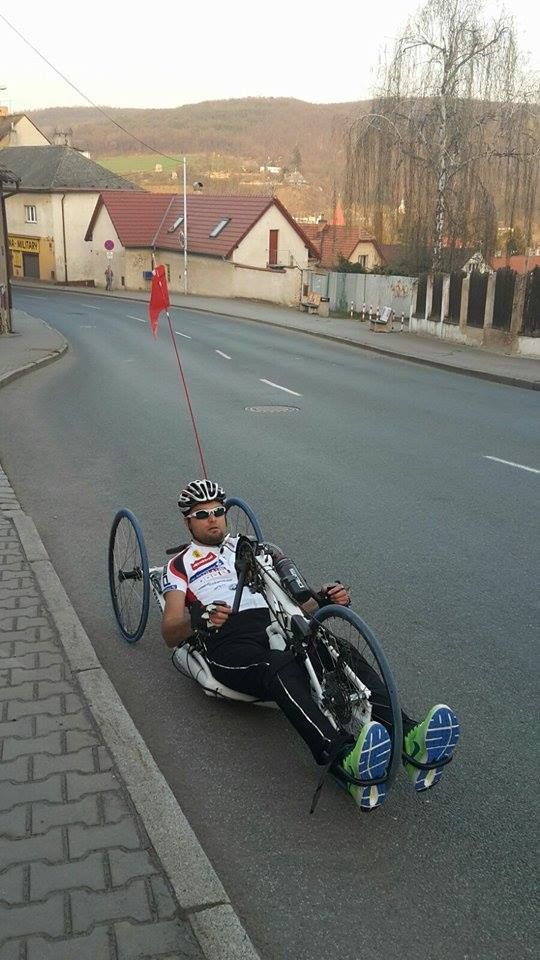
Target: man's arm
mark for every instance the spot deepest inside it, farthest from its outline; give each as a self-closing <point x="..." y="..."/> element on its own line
<point x="332" y="593"/>
<point x="175" y="622"/>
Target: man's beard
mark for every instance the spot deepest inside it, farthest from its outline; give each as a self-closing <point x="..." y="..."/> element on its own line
<point x="212" y="539"/>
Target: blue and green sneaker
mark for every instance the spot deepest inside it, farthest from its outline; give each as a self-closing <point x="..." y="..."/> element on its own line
<point x="435" y="738"/>
<point x="368" y="760"/>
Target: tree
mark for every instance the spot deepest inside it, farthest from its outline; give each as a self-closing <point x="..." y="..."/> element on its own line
<point x="296" y="159"/>
<point x="451" y="144"/>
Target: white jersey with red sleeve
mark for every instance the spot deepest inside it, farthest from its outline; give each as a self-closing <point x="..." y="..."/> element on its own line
<point x="206" y="574"/>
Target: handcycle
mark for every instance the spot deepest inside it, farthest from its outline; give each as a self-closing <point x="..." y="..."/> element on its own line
<point x="333" y="643"/>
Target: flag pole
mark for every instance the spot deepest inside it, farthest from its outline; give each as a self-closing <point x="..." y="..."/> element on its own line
<point x="185" y="230"/>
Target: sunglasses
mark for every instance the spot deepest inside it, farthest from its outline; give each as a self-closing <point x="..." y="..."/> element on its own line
<point x="204" y="514"/>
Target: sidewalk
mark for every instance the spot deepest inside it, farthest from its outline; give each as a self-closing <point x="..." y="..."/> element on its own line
<point x="97" y="861"/>
<point x="473" y="361"/>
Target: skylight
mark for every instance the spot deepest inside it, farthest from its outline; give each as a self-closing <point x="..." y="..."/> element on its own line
<point x="176" y="224"/>
<point x="220" y="226"/>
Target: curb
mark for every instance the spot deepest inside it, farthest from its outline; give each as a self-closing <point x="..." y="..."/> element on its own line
<point x="198" y="890"/>
<point x="423" y="361"/>
<point x="42" y="362"/>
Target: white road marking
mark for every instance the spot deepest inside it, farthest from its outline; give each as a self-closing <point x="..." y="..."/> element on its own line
<point x="31" y="296"/>
<point x="277" y="386"/>
<point x="510" y="463"/>
<point x="180" y="334"/>
<point x="135" y="318"/>
<point x="90" y="307"/>
<point x="224" y="355"/>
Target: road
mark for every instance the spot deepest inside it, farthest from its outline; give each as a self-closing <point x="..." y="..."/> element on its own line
<point x="378" y="476"/>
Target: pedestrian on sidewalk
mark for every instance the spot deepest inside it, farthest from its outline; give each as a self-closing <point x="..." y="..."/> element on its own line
<point x="109" y="275"/>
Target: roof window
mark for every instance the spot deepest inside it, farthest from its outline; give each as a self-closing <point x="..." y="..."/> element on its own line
<point x="176" y="224"/>
<point x="219" y="227"/>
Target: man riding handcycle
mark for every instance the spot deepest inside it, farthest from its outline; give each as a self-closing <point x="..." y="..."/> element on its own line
<point x="264" y="633"/>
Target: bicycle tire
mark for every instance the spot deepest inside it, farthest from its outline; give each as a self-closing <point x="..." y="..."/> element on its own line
<point x="129" y="578"/>
<point x="241" y="519"/>
<point x="356" y="636"/>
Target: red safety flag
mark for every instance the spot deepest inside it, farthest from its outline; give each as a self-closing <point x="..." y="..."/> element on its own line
<point x="159" y="297"/>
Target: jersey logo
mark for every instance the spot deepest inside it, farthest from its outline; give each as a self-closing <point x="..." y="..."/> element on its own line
<point x="214" y="570"/>
<point x="201" y="562"/>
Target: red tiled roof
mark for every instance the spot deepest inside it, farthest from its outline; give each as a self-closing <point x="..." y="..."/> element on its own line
<point x="145" y="219"/>
<point x="521" y="264"/>
<point x="335" y="241"/>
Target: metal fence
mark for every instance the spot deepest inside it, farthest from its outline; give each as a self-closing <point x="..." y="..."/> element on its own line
<point x="505" y="282"/>
<point x="477" y="298"/>
<point x="455" y="294"/>
<point x="531" y="311"/>
<point x="353" y="291"/>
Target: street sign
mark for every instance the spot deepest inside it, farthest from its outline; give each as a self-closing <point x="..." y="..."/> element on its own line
<point x="109" y="244"/>
<point x="109" y="254"/>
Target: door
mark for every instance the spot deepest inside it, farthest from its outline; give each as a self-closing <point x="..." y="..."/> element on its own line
<point x="273" y="247"/>
<point x="31" y="265"/>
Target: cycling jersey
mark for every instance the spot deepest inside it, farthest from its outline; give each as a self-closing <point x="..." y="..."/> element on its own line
<point x="206" y="574"/>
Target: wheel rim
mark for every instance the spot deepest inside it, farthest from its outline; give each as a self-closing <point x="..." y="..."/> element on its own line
<point x="128" y="575"/>
<point x="241" y="520"/>
<point x="350" y="633"/>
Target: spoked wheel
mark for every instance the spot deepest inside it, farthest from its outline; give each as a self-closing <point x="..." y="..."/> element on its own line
<point x="344" y="649"/>
<point x="241" y="521"/>
<point x="129" y="579"/>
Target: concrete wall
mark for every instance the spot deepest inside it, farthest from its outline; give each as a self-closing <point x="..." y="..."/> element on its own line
<point x="98" y="259"/>
<point x="376" y="291"/>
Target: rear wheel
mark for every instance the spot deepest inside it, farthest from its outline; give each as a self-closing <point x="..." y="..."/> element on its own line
<point x="344" y="651"/>
<point x="129" y="579"/>
<point x="241" y="521"/>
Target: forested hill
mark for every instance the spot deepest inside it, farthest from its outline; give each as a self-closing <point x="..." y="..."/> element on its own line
<point x="227" y="137"/>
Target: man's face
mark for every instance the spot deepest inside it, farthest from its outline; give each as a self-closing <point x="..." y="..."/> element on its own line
<point x="211" y="530"/>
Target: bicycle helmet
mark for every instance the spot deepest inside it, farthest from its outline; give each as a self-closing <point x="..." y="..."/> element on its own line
<point x="199" y="491"/>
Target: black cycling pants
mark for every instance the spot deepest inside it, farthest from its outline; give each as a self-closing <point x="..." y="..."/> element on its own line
<point x="245" y="662"/>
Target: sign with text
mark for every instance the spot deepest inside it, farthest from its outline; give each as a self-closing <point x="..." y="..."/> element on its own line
<point x="25" y="244"/>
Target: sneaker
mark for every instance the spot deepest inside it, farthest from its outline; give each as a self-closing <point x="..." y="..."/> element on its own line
<point x="368" y="760"/>
<point x="432" y="740"/>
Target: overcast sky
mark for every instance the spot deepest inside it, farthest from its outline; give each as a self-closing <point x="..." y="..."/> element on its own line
<point x="159" y="55"/>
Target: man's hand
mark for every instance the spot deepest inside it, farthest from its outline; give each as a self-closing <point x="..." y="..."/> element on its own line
<point x="216" y="614"/>
<point x="335" y="593"/>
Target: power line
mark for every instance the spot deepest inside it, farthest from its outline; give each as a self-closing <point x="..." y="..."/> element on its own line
<point x="83" y="95"/>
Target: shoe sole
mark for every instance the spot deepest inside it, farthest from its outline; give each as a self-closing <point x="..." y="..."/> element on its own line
<point x="441" y="738"/>
<point x="373" y="764"/>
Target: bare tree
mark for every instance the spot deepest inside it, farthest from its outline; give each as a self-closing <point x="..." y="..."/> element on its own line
<point x="450" y="145"/>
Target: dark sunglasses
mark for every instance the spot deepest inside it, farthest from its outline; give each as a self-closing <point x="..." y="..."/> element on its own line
<point x="204" y="514"/>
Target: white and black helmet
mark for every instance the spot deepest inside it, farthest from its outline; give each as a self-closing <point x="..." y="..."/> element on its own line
<point x="199" y="491"/>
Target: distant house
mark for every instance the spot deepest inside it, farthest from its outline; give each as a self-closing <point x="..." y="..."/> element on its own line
<point x="476" y="264"/>
<point x="520" y="263"/>
<point x="17" y="130"/>
<point x="48" y="216"/>
<point x="335" y="242"/>
<point x="246" y="246"/>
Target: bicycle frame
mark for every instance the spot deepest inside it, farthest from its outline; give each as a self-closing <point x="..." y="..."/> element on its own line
<point x="285" y="617"/>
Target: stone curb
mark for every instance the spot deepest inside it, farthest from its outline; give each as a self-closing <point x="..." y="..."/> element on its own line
<point x="42" y="362"/>
<point x="197" y="887"/>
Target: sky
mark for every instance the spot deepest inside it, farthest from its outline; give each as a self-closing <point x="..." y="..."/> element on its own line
<point x="177" y="53"/>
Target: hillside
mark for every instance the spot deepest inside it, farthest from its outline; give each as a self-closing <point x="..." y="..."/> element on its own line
<point x="226" y="142"/>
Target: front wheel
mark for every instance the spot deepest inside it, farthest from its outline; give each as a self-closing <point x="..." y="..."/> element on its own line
<point x="241" y="521"/>
<point x="344" y="650"/>
<point x="129" y="578"/>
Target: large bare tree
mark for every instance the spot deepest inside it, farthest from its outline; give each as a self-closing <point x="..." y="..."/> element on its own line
<point x="449" y="147"/>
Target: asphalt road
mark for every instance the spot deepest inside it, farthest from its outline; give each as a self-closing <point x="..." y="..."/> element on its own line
<point x="379" y="477"/>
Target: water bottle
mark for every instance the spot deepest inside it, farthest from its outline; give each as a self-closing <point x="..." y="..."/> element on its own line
<point x="293" y="580"/>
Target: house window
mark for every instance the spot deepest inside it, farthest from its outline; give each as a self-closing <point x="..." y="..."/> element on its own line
<point x="168" y="269"/>
<point x="273" y="247"/>
<point x="30" y="213"/>
<point x="220" y="226"/>
<point x="362" y="259"/>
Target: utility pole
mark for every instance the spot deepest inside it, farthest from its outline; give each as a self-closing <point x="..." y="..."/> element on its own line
<point x="185" y="230"/>
<point x="9" y="180"/>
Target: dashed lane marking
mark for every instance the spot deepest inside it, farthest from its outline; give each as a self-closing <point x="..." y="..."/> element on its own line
<point x="278" y="387"/>
<point x="510" y="463"/>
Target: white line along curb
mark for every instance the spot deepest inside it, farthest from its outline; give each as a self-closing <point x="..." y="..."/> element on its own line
<point x="198" y="889"/>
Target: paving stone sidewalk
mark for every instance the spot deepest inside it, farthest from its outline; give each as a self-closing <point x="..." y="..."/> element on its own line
<point x="78" y="875"/>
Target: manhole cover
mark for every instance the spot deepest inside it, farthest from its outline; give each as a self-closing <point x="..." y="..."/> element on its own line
<point x="274" y="409"/>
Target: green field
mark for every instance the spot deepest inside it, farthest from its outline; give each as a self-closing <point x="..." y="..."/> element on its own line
<point x="138" y="163"/>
